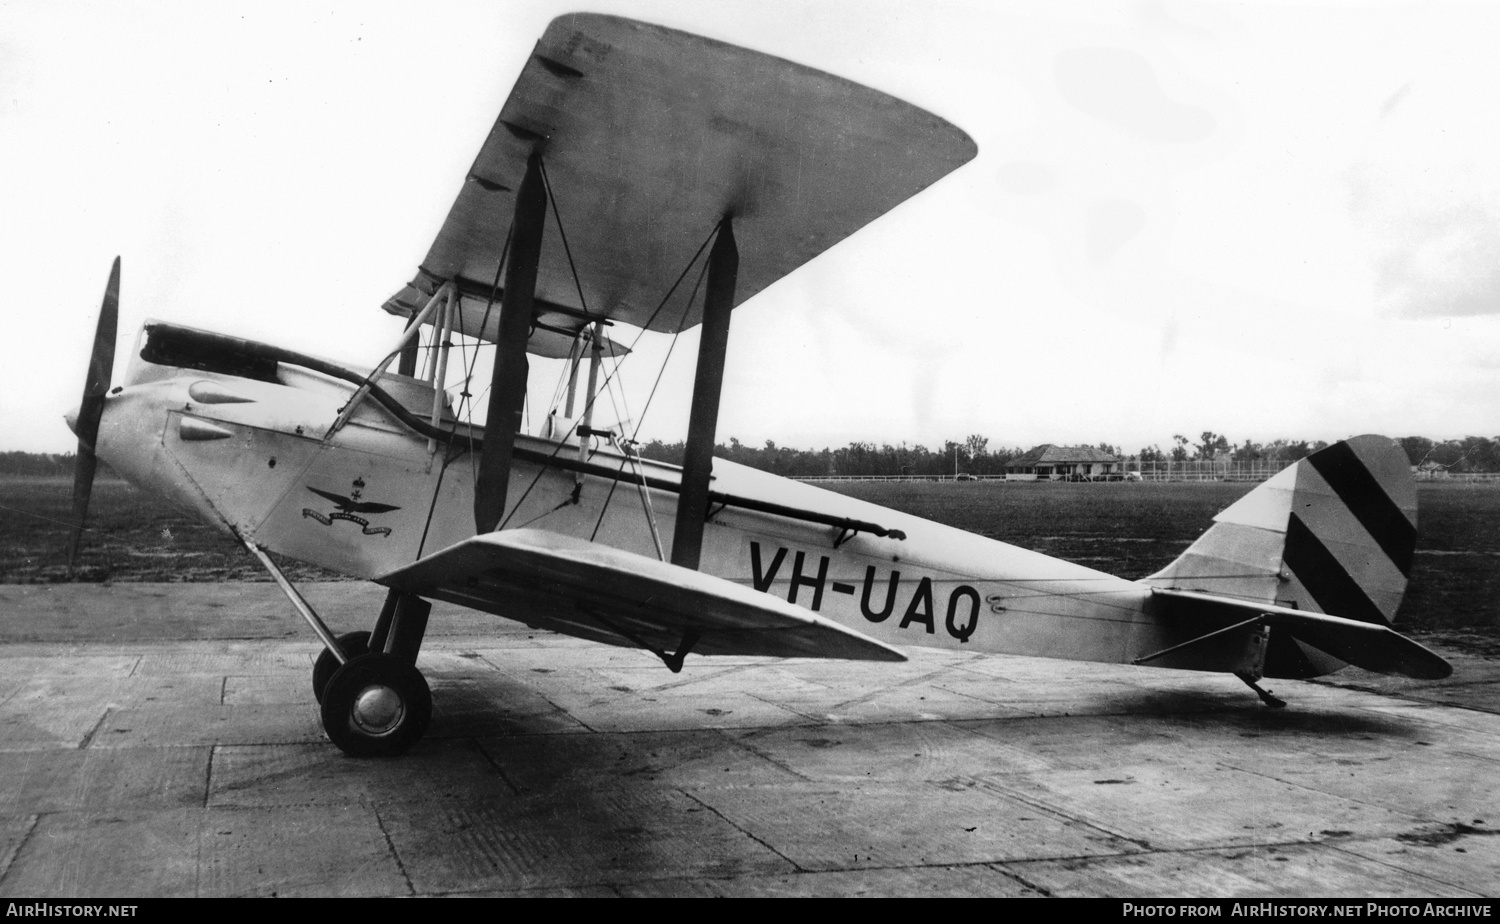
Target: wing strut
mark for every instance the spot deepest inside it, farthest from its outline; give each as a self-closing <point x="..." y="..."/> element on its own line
<point x="508" y="388"/>
<point x="703" y="420"/>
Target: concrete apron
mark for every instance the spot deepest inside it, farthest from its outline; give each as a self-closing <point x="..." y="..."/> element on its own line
<point x="162" y="740"/>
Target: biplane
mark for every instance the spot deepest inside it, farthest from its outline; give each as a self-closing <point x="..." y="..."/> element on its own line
<point x="644" y="179"/>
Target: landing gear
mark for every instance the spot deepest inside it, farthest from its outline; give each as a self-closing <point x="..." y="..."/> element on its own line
<point x="376" y="705"/>
<point x="1275" y="702"/>
<point x="352" y="644"/>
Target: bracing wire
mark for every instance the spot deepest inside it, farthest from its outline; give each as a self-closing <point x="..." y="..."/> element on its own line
<point x="466" y="402"/>
<point x="708" y="239"/>
<point x="563" y="234"/>
<point x="661" y="370"/>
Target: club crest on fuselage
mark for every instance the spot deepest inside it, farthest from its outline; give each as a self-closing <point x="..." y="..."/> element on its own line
<point x="348" y="507"/>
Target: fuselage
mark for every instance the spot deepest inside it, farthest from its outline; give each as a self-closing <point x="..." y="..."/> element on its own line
<point x="245" y="446"/>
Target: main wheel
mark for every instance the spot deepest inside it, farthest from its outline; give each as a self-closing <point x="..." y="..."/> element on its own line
<point x="352" y="644"/>
<point x="376" y="706"/>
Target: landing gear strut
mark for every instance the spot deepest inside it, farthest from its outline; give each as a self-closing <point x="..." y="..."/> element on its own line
<point x="352" y="644"/>
<point x="377" y="704"/>
<point x="1275" y="702"/>
<point x="1255" y="666"/>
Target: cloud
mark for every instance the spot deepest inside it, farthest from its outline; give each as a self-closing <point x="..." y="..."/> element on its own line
<point x="1448" y="265"/>
<point x="1121" y="86"/>
<point x="1025" y="178"/>
<point x="1111" y="225"/>
<point x="1395" y="99"/>
<point x="1436" y="241"/>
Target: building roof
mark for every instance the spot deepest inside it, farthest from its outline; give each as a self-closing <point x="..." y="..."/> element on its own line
<point x="1049" y="454"/>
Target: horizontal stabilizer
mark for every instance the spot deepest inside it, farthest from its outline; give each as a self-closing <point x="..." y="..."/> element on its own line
<point x="620" y="598"/>
<point x="1373" y="647"/>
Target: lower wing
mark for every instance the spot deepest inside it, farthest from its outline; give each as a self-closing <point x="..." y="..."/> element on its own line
<point x="604" y="594"/>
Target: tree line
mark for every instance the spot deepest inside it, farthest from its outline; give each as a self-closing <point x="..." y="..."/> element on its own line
<point x="1470" y="454"/>
<point x="36" y="463"/>
<point x="972" y="456"/>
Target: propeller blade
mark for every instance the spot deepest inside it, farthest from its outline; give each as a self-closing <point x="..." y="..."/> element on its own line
<point x="101" y="364"/>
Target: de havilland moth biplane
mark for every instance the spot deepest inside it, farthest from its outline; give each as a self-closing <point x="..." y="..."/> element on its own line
<point x="651" y="178"/>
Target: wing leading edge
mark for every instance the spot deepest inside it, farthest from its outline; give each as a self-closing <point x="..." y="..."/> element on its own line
<point x="607" y="595"/>
<point x="649" y="136"/>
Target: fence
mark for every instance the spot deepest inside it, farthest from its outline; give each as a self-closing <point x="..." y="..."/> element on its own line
<point x="1441" y="477"/>
<point x="821" y="478"/>
<point x="1201" y="470"/>
<point x="1129" y="471"/>
<point x="1257" y="470"/>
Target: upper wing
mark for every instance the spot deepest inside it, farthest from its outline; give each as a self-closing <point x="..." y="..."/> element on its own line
<point x="608" y="595"/>
<point x="649" y="136"/>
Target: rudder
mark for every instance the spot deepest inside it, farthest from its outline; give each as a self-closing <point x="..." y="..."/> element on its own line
<point x="1333" y="534"/>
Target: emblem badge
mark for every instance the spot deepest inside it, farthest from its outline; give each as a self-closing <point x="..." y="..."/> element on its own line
<point x="348" y="507"/>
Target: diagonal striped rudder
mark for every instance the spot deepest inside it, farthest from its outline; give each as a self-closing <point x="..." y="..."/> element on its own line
<point x="1352" y="530"/>
<point x="1332" y="534"/>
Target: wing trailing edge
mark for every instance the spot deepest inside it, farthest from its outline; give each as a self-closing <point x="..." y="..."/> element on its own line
<point x="620" y="598"/>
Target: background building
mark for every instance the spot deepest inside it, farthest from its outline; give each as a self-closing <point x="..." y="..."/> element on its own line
<point x="1064" y="463"/>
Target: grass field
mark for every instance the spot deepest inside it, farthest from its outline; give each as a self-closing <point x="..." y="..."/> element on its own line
<point x="1134" y="529"/>
<point x="1127" y="529"/>
<point x="131" y="537"/>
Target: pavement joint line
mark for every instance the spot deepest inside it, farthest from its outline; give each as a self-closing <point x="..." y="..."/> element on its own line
<point x="992" y="865"/>
<point x="198" y="850"/>
<point x="809" y="716"/>
<point x="490" y="759"/>
<point x="796" y="867"/>
<point x="541" y="695"/>
<point x="208" y="773"/>
<point x="1001" y="868"/>
<point x="390" y="845"/>
<point x="744" y="745"/>
<point x="910" y="681"/>
<point x="717" y="674"/>
<point x="88" y="736"/>
<point x="567" y="712"/>
<point x="995" y="865"/>
<point x="1408" y="697"/>
<point x="21" y="842"/>
<point x="1322" y="792"/>
<point x="1238" y="849"/>
<point x="1056" y="812"/>
<point x="1401" y="869"/>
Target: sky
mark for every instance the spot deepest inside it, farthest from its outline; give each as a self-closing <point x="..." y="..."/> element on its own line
<point x="1268" y="220"/>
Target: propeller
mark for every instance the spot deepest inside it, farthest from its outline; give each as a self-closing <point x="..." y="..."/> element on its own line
<point x="85" y="421"/>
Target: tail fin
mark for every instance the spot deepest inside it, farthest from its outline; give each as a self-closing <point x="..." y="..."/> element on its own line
<point x="1333" y="534"/>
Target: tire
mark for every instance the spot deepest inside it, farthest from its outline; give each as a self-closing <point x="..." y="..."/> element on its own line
<point x="376" y="706"/>
<point x="353" y="644"/>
